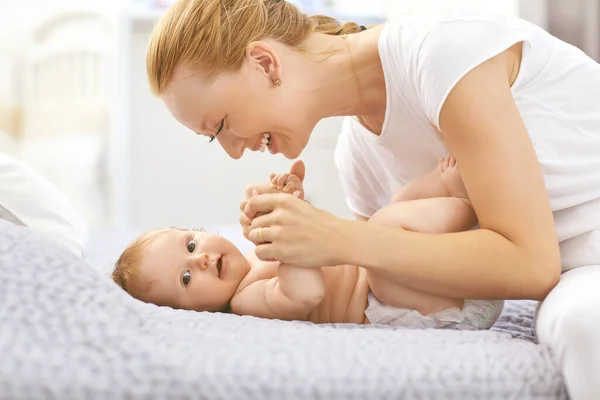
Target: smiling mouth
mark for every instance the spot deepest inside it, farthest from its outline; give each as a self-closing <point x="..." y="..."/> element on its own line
<point x="265" y="142"/>
<point x="219" y="266"/>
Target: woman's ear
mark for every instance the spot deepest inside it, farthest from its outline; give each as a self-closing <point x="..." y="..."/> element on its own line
<point x="263" y="57"/>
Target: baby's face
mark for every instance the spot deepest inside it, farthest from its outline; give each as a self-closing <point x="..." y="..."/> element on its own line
<point x="191" y="270"/>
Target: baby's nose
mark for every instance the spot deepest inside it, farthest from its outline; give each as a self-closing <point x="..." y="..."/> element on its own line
<point x="202" y="261"/>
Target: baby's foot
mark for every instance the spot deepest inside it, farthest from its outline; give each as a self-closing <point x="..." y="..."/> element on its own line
<point x="292" y="182"/>
<point x="288" y="183"/>
<point x="450" y="177"/>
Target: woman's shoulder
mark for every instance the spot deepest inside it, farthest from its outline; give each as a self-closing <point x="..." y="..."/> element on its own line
<point x="411" y="33"/>
<point x="427" y="54"/>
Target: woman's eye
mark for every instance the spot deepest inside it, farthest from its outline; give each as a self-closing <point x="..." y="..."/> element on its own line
<point x="191" y="246"/>
<point x="186" y="278"/>
<point x="219" y="129"/>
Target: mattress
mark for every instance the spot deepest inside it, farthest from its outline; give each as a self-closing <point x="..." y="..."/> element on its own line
<point x="67" y="331"/>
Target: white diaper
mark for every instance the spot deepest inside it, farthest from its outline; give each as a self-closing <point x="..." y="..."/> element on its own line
<point x="475" y="315"/>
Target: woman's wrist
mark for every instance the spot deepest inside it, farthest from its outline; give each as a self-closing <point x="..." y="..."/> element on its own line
<point x="350" y="242"/>
<point x="368" y="245"/>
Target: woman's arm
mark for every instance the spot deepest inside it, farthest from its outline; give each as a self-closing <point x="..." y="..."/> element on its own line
<point x="515" y="254"/>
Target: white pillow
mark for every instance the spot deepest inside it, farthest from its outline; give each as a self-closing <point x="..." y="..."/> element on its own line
<point x="72" y="163"/>
<point x="27" y="198"/>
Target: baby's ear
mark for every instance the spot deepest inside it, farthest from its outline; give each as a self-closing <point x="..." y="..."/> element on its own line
<point x="298" y="169"/>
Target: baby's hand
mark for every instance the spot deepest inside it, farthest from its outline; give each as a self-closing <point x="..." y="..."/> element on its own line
<point x="290" y="182"/>
<point x="450" y="177"/>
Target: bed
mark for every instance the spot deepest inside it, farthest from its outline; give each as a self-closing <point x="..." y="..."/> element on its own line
<point x="68" y="332"/>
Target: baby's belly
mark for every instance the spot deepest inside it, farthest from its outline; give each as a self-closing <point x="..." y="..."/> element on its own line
<point x="346" y="297"/>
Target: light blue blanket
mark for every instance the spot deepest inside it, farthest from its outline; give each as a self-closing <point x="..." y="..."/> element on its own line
<point x="68" y="332"/>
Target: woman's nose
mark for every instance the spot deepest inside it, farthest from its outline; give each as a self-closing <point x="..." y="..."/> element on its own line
<point x="235" y="152"/>
<point x="233" y="148"/>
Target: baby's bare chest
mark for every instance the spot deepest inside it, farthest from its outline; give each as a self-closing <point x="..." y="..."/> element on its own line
<point x="259" y="270"/>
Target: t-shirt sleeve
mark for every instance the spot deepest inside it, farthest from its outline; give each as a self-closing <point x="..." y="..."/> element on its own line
<point x="353" y="172"/>
<point x="453" y="48"/>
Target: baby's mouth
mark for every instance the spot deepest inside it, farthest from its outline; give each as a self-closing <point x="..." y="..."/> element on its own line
<point x="219" y="266"/>
<point x="265" y="142"/>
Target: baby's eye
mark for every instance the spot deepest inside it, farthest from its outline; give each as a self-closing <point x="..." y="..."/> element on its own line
<point x="191" y="246"/>
<point x="186" y="278"/>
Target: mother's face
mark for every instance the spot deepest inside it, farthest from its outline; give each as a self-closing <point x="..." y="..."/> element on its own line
<point x="239" y="109"/>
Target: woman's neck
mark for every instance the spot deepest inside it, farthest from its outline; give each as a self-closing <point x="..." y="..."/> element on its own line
<point x="348" y="78"/>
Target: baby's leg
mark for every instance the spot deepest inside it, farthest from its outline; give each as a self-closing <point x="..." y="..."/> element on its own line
<point x="433" y="215"/>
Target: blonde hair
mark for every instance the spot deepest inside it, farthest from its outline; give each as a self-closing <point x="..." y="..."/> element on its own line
<point x="212" y="35"/>
<point x="126" y="266"/>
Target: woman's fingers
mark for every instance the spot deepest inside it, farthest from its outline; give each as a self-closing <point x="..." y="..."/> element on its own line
<point x="266" y="252"/>
<point x="266" y="203"/>
<point x="260" y="188"/>
<point x="266" y="220"/>
<point x="245" y="220"/>
<point x="245" y="223"/>
<point x="262" y="234"/>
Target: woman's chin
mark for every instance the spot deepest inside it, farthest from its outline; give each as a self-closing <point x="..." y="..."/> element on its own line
<point x="291" y="154"/>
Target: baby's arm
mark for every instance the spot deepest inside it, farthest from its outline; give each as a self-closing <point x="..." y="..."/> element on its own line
<point x="293" y="294"/>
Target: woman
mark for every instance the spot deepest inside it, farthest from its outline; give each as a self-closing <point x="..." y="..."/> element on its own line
<point x="512" y="104"/>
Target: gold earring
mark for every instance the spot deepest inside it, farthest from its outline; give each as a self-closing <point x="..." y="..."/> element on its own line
<point x="277" y="82"/>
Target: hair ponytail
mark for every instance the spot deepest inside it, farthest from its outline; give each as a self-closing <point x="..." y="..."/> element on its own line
<point x="331" y="26"/>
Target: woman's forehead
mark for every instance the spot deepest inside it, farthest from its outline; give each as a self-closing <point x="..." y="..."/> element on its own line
<point x="195" y="107"/>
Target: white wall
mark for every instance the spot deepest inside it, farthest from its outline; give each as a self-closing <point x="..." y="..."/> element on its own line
<point x="18" y="18"/>
<point x="534" y="11"/>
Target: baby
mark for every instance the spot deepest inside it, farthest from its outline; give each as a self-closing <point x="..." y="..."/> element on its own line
<point x="196" y="270"/>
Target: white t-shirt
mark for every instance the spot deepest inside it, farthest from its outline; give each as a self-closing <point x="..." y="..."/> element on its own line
<point x="557" y="92"/>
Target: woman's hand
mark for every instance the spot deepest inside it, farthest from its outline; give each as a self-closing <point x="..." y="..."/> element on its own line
<point x="292" y="231"/>
<point x="291" y="183"/>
